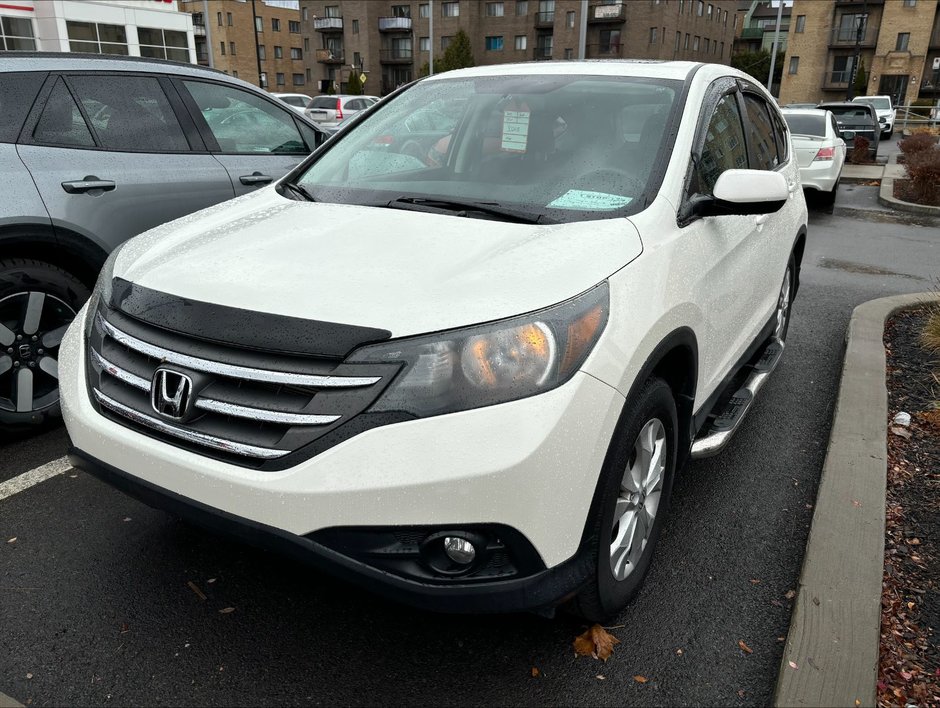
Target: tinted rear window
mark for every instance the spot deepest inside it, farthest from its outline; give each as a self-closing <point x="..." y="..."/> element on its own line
<point x="806" y="124"/>
<point x="848" y="112"/>
<point x="17" y="93"/>
<point x="323" y="102"/>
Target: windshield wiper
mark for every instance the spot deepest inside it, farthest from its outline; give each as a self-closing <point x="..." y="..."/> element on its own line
<point x="297" y="189"/>
<point x="466" y="208"/>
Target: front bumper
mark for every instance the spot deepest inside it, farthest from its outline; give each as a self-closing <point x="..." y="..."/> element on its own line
<point x="531" y="465"/>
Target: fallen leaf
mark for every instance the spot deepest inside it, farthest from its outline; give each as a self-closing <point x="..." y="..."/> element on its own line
<point x="210" y="581"/>
<point x="600" y="677"/>
<point x="901" y="432"/>
<point x="29" y="676"/>
<point x="535" y="672"/>
<point x="790" y="594"/>
<point x="858" y="702"/>
<point x="906" y="675"/>
<point x="225" y="611"/>
<point x="640" y="679"/>
<point x="740" y="693"/>
<point x="199" y="593"/>
<point x="781" y="639"/>
<point x="596" y="642"/>
<point x="856" y="503"/>
<point x="745" y="647"/>
<point x="914" y="542"/>
<point x="755" y="581"/>
<point x="127" y="518"/>
<point x="679" y="652"/>
<point x="793" y="665"/>
<point x="125" y="628"/>
<point x="12" y="540"/>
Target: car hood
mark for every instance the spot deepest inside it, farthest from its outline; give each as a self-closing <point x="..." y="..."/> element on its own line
<point x="404" y="271"/>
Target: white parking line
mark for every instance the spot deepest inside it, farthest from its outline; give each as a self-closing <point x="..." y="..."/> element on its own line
<point x="33" y="477"/>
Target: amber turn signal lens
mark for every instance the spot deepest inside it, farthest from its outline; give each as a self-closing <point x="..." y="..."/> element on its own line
<point x="581" y="334"/>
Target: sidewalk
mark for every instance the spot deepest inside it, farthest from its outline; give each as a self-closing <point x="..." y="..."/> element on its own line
<point x="863" y="173"/>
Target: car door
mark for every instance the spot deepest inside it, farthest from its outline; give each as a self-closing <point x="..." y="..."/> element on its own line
<point x="114" y="154"/>
<point x="254" y="138"/>
<point x="720" y="250"/>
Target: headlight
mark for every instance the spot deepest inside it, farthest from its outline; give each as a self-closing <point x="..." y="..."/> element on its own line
<point x="492" y="363"/>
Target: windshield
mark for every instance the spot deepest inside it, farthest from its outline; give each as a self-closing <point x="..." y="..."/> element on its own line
<point x="806" y="124"/>
<point x="882" y="104"/>
<point x="552" y="148"/>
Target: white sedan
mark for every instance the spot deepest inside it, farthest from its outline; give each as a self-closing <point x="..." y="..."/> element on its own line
<point x="819" y="150"/>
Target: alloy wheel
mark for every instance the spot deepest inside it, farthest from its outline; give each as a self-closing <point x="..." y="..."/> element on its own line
<point x="783" y="307"/>
<point x="638" y="499"/>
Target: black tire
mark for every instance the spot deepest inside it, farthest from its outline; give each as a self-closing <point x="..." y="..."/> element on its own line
<point x="62" y="295"/>
<point x="781" y="333"/>
<point x="605" y="595"/>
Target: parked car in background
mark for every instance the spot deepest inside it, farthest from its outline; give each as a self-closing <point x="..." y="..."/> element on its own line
<point x="330" y="111"/>
<point x="94" y="150"/>
<point x="819" y="150"/>
<point x="297" y="101"/>
<point x="799" y="105"/>
<point x="887" y="114"/>
<point x="855" y="120"/>
<point x="468" y="384"/>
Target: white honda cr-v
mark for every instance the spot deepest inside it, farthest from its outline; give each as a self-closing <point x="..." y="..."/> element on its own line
<point x="461" y="366"/>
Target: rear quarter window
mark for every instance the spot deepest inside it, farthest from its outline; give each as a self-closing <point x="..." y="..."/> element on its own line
<point x="17" y="93"/>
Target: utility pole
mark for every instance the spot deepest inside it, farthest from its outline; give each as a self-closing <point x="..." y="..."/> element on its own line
<point x="773" y="48"/>
<point x="431" y="37"/>
<point x="582" y="31"/>
<point x="861" y="26"/>
<point x="254" y="21"/>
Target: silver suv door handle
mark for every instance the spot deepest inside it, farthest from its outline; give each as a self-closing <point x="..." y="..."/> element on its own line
<point x="91" y="182"/>
<point x="255" y="178"/>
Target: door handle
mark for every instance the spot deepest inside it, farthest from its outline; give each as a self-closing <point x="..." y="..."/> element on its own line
<point x="761" y="219"/>
<point x="255" y="178"/>
<point x="80" y="186"/>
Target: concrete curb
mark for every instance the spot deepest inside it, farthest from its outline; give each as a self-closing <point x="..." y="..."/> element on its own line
<point x="831" y="654"/>
<point x="887" y="198"/>
<point x="7" y="702"/>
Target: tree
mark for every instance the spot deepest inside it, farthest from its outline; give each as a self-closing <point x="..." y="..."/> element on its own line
<point x="757" y="64"/>
<point x="458" y="55"/>
<point x="353" y="85"/>
<point x="861" y="80"/>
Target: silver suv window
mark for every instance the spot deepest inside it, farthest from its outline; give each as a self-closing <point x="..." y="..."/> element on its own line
<point x="61" y="122"/>
<point x="17" y="93"/>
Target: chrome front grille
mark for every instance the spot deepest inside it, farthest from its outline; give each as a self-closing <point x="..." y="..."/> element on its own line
<point x="254" y="408"/>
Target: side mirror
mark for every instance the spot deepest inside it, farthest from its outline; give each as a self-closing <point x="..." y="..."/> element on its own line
<point x="742" y="192"/>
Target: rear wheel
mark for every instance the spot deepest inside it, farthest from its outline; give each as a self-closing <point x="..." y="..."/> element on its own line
<point x="784" y="301"/>
<point x="38" y="301"/>
<point x="637" y="485"/>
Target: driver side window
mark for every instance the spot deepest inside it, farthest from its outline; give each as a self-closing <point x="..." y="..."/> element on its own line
<point x="244" y="123"/>
<point x="724" y="147"/>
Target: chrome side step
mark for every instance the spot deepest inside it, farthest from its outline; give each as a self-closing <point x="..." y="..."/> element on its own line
<point x="729" y="419"/>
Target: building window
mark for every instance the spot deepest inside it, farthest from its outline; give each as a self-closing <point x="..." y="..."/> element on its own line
<point x="678" y="41"/>
<point x="222" y="48"/>
<point x="296" y="53"/>
<point x="710" y="10"/>
<point x="424" y="10"/>
<point x="794" y="65"/>
<point x="695" y="43"/>
<point x="569" y="54"/>
<point x="424" y="44"/>
<point x="93" y="38"/>
<point x="264" y="79"/>
<point x="522" y="42"/>
<point x="280" y="79"/>
<point x="494" y="44"/>
<point x="699" y="8"/>
<point x="307" y="73"/>
<point x="332" y="11"/>
<point x="401" y="11"/>
<point x="685" y="45"/>
<point x="569" y="18"/>
<point x="278" y="52"/>
<point x="306" y="44"/>
<point x="303" y="13"/>
<point x="522" y="7"/>
<point x="446" y="40"/>
<point x="904" y="39"/>
<point x="16" y="33"/>
<point x="654" y="32"/>
<point x="357" y="59"/>
<point x="450" y="9"/>
<point x="218" y="17"/>
<point x="706" y="45"/>
<point x="293" y="26"/>
<point x="800" y="23"/>
<point x="228" y="19"/>
<point x="355" y="26"/>
<point x="262" y="52"/>
<point x="494" y="9"/>
<point x="681" y="6"/>
<point x="910" y="3"/>
<point x="297" y="79"/>
<point x="234" y="73"/>
<point x="259" y="24"/>
<point x="231" y="48"/>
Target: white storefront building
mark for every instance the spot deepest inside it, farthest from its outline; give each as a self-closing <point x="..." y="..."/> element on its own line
<point x="149" y="28"/>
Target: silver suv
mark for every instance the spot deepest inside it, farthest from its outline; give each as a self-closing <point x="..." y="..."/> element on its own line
<point x="331" y="111"/>
<point x="95" y="150"/>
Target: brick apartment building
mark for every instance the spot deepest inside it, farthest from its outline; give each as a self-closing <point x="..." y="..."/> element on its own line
<point x="225" y="33"/>
<point x="898" y="43"/>
<point x="757" y="25"/>
<point x="390" y="40"/>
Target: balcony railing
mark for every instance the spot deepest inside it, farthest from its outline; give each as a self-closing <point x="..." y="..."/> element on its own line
<point x="328" y="24"/>
<point x="396" y="56"/>
<point x="545" y="19"/>
<point x="846" y="37"/>
<point x="603" y="51"/>
<point x="330" y="56"/>
<point x="394" y="24"/>
<point x="542" y="53"/>
<point x="752" y="33"/>
<point x="607" y="13"/>
<point x="199" y="30"/>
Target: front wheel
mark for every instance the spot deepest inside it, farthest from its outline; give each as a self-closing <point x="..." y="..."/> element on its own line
<point x="634" y="496"/>
<point x="38" y="301"/>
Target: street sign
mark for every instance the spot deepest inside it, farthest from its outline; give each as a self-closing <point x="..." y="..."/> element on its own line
<point x="362" y="78"/>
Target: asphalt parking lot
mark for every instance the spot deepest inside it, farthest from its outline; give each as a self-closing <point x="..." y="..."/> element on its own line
<point x="96" y="606"/>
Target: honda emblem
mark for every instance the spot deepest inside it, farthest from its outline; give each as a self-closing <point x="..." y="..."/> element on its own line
<point x="171" y="393"/>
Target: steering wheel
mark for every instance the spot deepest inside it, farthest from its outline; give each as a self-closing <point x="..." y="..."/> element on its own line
<point x="413" y="148"/>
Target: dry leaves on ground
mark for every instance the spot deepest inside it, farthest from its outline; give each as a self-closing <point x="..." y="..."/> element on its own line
<point x="596" y="642"/>
<point x="745" y="647"/>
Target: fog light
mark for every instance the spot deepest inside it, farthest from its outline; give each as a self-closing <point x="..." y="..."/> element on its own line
<point x="459" y="550"/>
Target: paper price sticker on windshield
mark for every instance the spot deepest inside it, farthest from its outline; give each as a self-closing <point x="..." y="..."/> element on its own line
<point x="515" y="131"/>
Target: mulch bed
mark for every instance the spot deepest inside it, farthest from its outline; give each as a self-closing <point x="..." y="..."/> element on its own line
<point x="903" y="191"/>
<point x="909" y="667"/>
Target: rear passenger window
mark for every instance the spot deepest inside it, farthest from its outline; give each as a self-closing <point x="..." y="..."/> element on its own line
<point x="61" y="123"/>
<point x="129" y="113"/>
<point x="761" y="144"/>
<point x="780" y="132"/>
<point x="17" y="93"/>
<point x="724" y="147"/>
